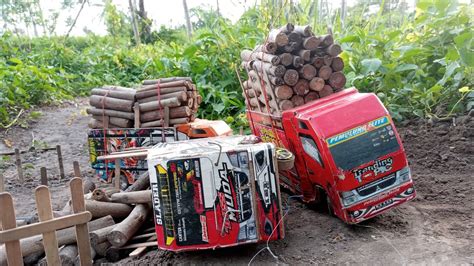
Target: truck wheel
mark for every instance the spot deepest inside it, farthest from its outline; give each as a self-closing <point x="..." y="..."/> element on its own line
<point x="329" y="206"/>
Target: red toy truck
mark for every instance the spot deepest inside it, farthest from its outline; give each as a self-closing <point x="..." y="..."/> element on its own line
<point x="347" y="151"/>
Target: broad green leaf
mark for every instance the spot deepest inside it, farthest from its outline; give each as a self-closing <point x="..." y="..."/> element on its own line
<point x="464" y="44"/>
<point x="449" y="72"/>
<point x="349" y="38"/>
<point x="16" y="61"/>
<point x="370" y="65"/>
<point x="405" y="67"/>
<point x="218" y="107"/>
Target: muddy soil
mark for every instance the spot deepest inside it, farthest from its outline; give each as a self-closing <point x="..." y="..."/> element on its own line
<point x="435" y="228"/>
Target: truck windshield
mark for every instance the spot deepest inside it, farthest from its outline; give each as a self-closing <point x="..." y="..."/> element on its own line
<point x="363" y="144"/>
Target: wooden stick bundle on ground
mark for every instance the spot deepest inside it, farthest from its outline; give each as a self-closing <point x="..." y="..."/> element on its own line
<point x="167" y="102"/>
<point x="157" y="103"/>
<point x="309" y="65"/>
<point x="111" y="107"/>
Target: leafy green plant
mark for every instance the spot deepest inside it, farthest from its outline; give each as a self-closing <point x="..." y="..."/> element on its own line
<point x="415" y="62"/>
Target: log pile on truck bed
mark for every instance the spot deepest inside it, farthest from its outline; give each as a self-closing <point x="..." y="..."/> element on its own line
<point x="157" y="103"/>
<point x="291" y="68"/>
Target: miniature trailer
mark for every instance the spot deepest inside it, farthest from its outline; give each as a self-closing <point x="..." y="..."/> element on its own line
<point x="103" y="142"/>
<point x="215" y="192"/>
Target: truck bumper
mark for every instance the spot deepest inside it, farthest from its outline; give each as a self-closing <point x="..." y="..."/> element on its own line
<point x="379" y="204"/>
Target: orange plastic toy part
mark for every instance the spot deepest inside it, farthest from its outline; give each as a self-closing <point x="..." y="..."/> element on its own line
<point x="202" y="128"/>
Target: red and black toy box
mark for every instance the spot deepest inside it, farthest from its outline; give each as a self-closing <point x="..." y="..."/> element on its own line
<point x="215" y="192"/>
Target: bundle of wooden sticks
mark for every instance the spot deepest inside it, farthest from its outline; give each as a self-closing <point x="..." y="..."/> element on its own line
<point x="291" y="68"/>
<point x="175" y="99"/>
<point x="159" y="102"/>
<point x="112" y="107"/>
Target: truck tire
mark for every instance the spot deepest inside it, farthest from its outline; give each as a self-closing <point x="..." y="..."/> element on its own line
<point x="329" y="206"/>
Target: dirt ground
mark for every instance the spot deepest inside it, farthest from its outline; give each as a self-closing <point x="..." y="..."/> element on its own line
<point x="435" y="228"/>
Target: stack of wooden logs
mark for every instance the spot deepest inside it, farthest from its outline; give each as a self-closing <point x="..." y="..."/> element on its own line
<point x="111" y="107"/>
<point x="157" y="103"/>
<point x="121" y="225"/>
<point x="169" y="101"/>
<point x="291" y="68"/>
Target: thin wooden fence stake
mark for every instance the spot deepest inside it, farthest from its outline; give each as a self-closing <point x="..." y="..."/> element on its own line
<point x="2" y="183"/>
<point x="82" y="232"/>
<point x="8" y="221"/>
<point x="60" y="161"/>
<point x="117" y="174"/>
<point x="77" y="170"/>
<point x="44" y="176"/>
<point x="18" y="165"/>
<point x="45" y="213"/>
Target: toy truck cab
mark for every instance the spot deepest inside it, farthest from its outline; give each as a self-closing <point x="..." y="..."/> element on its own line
<point x="347" y="148"/>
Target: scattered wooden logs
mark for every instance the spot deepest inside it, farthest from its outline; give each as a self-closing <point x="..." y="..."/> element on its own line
<point x="100" y="235"/>
<point x="293" y="66"/>
<point x="121" y="233"/>
<point x="142" y="183"/>
<point x="68" y="254"/>
<point x="133" y="197"/>
<point x="100" y="209"/>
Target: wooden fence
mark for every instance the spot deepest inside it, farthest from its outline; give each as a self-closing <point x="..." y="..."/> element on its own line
<point x="46" y="226"/>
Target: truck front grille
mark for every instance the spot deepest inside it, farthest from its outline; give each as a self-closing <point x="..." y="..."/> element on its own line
<point x="377" y="185"/>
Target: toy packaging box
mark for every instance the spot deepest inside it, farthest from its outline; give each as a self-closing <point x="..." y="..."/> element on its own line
<point x="105" y="141"/>
<point x="214" y="192"/>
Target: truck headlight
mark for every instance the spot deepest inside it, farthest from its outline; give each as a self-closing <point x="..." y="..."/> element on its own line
<point x="404" y="175"/>
<point x="348" y="197"/>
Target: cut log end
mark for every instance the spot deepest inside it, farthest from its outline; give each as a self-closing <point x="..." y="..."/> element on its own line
<point x="326" y="91"/>
<point x="316" y="84"/>
<point x="337" y="64"/>
<point x="301" y="87"/>
<point x="297" y="100"/>
<point x="325" y="72"/>
<point x="337" y="80"/>
<point x="291" y="77"/>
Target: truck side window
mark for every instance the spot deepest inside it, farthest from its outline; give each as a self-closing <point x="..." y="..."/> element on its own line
<point x="310" y="148"/>
<point x="302" y="125"/>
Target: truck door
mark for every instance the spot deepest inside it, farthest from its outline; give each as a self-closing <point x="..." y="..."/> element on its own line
<point x="310" y="152"/>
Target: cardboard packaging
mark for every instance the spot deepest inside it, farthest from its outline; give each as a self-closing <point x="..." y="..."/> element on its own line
<point x="215" y="192"/>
